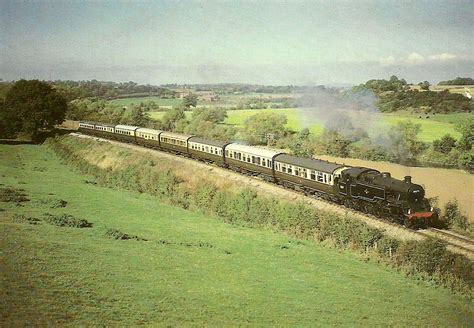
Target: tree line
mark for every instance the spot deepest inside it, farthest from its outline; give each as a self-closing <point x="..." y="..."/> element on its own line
<point x="396" y="94"/>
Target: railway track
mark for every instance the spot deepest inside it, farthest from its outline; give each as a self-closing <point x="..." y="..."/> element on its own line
<point x="456" y="242"/>
<point x="451" y="238"/>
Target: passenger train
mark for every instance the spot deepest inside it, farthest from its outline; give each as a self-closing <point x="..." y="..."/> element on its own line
<point x="359" y="188"/>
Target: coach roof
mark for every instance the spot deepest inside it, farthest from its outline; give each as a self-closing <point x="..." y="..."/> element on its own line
<point x="208" y="142"/>
<point x="105" y="124"/>
<point x="175" y="135"/>
<point x="269" y="153"/>
<point x="150" y="131"/>
<point x="308" y="163"/>
<point x="126" y="127"/>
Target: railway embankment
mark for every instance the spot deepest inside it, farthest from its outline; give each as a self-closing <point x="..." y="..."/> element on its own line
<point x="139" y="261"/>
<point x="242" y="200"/>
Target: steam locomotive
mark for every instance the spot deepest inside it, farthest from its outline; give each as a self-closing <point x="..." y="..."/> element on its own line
<point x="360" y="188"/>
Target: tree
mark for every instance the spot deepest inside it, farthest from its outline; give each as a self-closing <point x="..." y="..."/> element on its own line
<point x="213" y="115"/>
<point x="403" y="140"/>
<point x="332" y="143"/>
<point x="445" y="144"/>
<point x="264" y="127"/>
<point x="425" y="85"/>
<point x="466" y="128"/>
<point x="453" y="216"/>
<point x="172" y="117"/>
<point x="30" y="106"/>
<point x="139" y="117"/>
<point x="190" y="100"/>
<point x="300" y="145"/>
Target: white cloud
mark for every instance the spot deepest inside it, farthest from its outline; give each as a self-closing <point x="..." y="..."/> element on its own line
<point x="415" y="58"/>
<point x="443" y="57"/>
<point x="388" y="61"/>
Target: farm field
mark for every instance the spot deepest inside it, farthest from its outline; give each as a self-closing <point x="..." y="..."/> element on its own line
<point x="164" y="102"/>
<point x="191" y="270"/>
<point x="452" y="88"/>
<point x="431" y="128"/>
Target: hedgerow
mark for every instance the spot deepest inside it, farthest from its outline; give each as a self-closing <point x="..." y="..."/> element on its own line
<point x="428" y="259"/>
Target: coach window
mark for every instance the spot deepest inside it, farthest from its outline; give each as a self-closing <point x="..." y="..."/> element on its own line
<point x="207" y="149"/>
<point x="313" y="175"/>
<point x="320" y="177"/>
<point x="264" y="163"/>
<point x="303" y="173"/>
<point x="325" y="178"/>
<point x="283" y="168"/>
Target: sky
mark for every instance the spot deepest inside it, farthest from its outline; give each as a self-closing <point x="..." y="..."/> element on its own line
<point x="263" y="42"/>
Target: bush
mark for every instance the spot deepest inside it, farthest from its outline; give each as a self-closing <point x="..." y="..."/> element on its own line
<point x="52" y="202"/>
<point x="66" y="220"/>
<point x="445" y="144"/>
<point x="21" y="218"/>
<point x="8" y="194"/>
<point x="431" y="257"/>
<point x="119" y="235"/>
<point x="453" y="216"/>
<point x="466" y="161"/>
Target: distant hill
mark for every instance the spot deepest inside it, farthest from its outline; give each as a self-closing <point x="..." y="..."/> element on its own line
<point x="396" y="94"/>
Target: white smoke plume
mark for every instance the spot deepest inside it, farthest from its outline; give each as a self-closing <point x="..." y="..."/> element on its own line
<point x="352" y="114"/>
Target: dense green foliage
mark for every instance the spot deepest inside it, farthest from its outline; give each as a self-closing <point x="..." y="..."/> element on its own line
<point x="99" y="110"/>
<point x="395" y="94"/>
<point x="264" y="128"/>
<point x="449" y="151"/>
<point x="190" y="100"/>
<point x="83" y="89"/>
<point x="445" y="144"/>
<point x="454" y="218"/>
<point x="30" y="106"/>
<point x="458" y="81"/>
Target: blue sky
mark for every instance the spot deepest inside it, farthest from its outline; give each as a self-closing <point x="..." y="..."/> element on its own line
<point x="268" y="42"/>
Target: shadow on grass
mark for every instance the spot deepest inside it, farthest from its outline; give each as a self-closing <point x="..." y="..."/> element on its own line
<point x="38" y="139"/>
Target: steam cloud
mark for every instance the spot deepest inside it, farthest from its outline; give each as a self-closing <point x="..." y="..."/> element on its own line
<point x="352" y="114"/>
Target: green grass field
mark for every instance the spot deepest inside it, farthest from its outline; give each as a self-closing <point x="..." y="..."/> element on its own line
<point x="192" y="270"/>
<point x="165" y="102"/>
<point x="431" y="128"/>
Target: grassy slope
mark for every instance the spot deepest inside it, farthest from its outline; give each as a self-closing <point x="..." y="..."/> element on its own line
<point x="56" y="275"/>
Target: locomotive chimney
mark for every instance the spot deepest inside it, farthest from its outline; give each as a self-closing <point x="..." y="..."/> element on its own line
<point x="407" y="179"/>
<point x="386" y="174"/>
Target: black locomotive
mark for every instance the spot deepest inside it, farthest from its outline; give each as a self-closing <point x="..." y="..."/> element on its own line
<point x="360" y="188"/>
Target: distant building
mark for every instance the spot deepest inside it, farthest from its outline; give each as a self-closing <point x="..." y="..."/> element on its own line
<point x="207" y="96"/>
